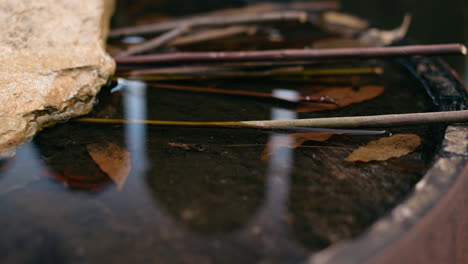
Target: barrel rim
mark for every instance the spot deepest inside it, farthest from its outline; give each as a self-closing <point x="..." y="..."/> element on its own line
<point x="448" y="92"/>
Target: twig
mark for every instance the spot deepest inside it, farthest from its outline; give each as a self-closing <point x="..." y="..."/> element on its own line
<point x="219" y="72"/>
<point x="398" y="120"/>
<point x="207" y="21"/>
<point x="177" y="70"/>
<point x="314" y="99"/>
<point x="313" y="6"/>
<point x="211" y="34"/>
<point x="156" y="42"/>
<point x="125" y="68"/>
<point x="317" y="79"/>
<point x="254" y="9"/>
<point x="282" y="55"/>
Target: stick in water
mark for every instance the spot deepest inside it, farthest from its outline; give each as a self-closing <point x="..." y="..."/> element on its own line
<point x="211" y="34"/>
<point x="254" y="11"/>
<point x="156" y="42"/>
<point x="217" y="72"/>
<point x="213" y="21"/>
<point x="397" y="120"/>
<point x="287" y="55"/>
<point x="310" y="99"/>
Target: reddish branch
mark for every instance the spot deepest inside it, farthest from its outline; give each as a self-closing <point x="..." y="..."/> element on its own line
<point x="288" y="55"/>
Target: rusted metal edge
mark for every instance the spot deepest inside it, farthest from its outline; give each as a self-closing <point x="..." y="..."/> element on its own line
<point x="448" y="91"/>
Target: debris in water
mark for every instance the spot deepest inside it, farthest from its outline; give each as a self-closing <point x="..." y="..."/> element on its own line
<point x="386" y="148"/>
<point x="193" y="147"/>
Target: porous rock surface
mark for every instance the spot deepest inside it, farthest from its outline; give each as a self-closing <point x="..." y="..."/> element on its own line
<point x="52" y="63"/>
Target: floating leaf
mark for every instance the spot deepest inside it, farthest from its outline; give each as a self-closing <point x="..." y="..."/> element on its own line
<point x="294" y="141"/>
<point x="113" y="160"/>
<point x="386" y="148"/>
<point x="343" y="96"/>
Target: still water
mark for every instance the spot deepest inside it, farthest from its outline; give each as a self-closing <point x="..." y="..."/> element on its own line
<point x="216" y="203"/>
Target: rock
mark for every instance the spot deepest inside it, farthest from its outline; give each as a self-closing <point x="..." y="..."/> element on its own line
<point x="52" y="63"/>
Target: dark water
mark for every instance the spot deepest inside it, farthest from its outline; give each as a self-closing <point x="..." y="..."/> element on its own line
<point x="218" y="203"/>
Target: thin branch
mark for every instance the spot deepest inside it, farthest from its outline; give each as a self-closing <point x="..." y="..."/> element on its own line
<point x="156" y="42"/>
<point x="209" y="21"/>
<point x="229" y="65"/>
<point x="211" y="34"/>
<point x="398" y="120"/>
<point x="216" y="72"/>
<point x="313" y="99"/>
<point x="287" y="55"/>
<point x="316" y="6"/>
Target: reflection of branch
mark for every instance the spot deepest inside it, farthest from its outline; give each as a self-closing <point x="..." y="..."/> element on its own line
<point x="156" y="42"/>
<point x="209" y="21"/>
<point x="397" y="120"/>
<point x="299" y="54"/>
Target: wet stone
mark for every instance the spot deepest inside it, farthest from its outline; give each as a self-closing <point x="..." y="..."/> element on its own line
<point x="52" y="63"/>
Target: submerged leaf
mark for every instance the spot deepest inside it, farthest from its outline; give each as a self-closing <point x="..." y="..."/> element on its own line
<point x="113" y="160"/>
<point x="386" y="148"/>
<point x="343" y="96"/>
<point x="294" y="141"/>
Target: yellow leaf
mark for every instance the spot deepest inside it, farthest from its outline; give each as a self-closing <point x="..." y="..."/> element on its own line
<point x="386" y="148"/>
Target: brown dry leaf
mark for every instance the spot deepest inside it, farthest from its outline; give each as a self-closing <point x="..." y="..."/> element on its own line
<point x="297" y="140"/>
<point x="386" y="148"/>
<point x="343" y="96"/>
<point x="113" y="160"/>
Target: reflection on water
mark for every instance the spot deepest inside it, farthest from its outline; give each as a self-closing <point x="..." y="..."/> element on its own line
<point x="218" y="205"/>
<point x="215" y="204"/>
<point x="134" y="94"/>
